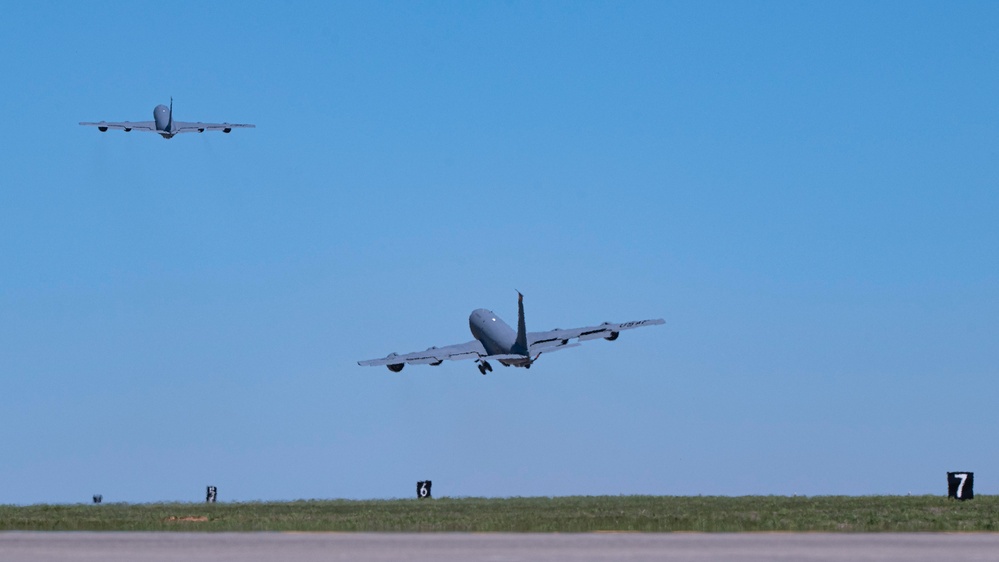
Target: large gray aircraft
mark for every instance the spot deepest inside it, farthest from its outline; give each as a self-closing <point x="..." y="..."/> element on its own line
<point x="495" y="340"/>
<point x="164" y="124"/>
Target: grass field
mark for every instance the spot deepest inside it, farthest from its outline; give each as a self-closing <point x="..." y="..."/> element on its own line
<point x="562" y="514"/>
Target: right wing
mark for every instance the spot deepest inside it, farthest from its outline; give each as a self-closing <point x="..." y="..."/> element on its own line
<point x="558" y="338"/>
<point x="199" y="127"/>
<point x="433" y="355"/>
<point x="124" y="125"/>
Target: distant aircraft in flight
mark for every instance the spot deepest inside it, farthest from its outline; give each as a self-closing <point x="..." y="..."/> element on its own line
<point x="164" y="124"/>
<point x="495" y="340"/>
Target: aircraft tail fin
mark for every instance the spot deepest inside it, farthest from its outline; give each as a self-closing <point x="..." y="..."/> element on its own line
<point x="170" y="121"/>
<point x="520" y="346"/>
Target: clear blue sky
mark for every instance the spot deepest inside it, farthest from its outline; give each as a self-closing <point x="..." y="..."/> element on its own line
<point x="808" y="193"/>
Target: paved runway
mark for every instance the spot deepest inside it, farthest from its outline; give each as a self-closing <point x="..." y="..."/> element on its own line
<point x="506" y="547"/>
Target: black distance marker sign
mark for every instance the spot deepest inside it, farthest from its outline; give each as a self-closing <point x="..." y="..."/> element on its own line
<point x="961" y="485"/>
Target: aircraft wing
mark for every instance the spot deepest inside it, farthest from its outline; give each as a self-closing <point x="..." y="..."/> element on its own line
<point x="124" y="125"/>
<point x="558" y="338"/>
<point x="433" y="355"/>
<point x="182" y="127"/>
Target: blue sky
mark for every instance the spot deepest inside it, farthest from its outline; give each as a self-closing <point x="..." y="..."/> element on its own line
<point x="806" y="192"/>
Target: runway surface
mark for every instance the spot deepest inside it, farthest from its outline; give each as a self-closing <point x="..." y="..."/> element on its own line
<point x="506" y="547"/>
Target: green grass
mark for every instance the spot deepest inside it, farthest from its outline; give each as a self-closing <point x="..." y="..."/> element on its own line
<point x="564" y="514"/>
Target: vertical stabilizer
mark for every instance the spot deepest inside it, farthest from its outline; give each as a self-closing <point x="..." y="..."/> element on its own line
<point x="520" y="346"/>
<point x="170" y="122"/>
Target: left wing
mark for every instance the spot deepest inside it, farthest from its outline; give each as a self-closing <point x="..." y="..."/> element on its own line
<point x="182" y="127"/>
<point x="433" y="355"/>
<point x="556" y="339"/>
<point x="124" y="125"/>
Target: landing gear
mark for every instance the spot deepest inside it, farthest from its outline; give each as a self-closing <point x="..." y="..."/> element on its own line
<point x="485" y="367"/>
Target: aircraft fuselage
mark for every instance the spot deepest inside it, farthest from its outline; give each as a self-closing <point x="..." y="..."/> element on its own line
<point x="163" y="116"/>
<point x="496" y="336"/>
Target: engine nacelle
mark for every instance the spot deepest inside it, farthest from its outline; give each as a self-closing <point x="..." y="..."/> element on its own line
<point x="128" y="130"/>
<point x="227" y="130"/>
<point x="436" y="363"/>
<point x="396" y="368"/>
<point x="613" y="336"/>
<point x="102" y="129"/>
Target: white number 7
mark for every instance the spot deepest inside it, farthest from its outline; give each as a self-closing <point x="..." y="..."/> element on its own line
<point x="960" y="487"/>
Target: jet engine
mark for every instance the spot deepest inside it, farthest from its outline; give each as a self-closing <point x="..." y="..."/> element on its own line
<point x="227" y="130"/>
<point x="395" y="367"/>
<point x="102" y="129"/>
<point x="613" y="336"/>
